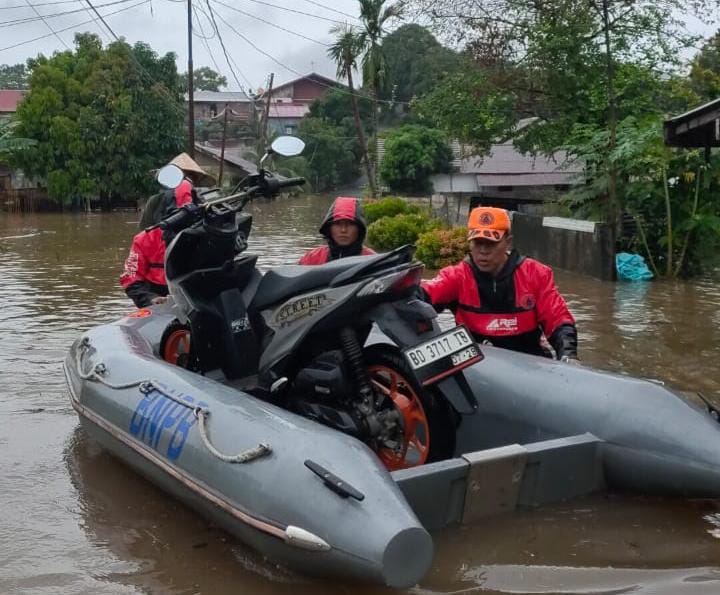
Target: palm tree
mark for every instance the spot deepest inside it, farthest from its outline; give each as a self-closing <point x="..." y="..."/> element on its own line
<point x="344" y="53"/>
<point x="8" y="141"/>
<point x="374" y="15"/>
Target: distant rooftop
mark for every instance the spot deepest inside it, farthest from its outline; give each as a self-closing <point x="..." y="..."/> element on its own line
<point x="219" y="97"/>
<point x="9" y="100"/>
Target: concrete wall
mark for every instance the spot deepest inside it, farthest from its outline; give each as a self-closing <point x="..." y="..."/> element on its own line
<point x="586" y="249"/>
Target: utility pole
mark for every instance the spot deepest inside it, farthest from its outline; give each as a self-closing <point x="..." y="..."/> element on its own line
<point x="222" y="146"/>
<point x="266" y="113"/>
<point x="191" y="102"/>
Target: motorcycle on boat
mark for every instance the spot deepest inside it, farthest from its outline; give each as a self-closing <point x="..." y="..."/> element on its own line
<point x="347" y="343"/>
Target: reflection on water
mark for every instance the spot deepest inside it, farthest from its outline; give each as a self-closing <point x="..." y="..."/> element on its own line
<point x="77" y="521"/>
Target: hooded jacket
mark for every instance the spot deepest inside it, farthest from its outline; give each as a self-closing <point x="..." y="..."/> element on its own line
<point x="511" y="310"/>
<point x="143" y="276"/>
<point x="343" y="208"/>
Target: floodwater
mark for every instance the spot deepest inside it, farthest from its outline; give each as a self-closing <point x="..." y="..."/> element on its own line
<point x="75" y="520"/>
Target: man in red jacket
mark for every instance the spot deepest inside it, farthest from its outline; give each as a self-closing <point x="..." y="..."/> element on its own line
<point x="143" y="277"/>
<point x="345" y="229"/>
<point x="501" y="296"/>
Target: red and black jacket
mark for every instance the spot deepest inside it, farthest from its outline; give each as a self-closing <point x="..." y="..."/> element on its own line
<point x="143" y="276"/>
<point x="343" y="208"/>
<point x="511" y="310"/>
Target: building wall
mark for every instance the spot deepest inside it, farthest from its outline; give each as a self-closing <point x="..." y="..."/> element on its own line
<point x="206" y="111"/>
<point x="588" y="252"/>
<point x="308" y="90"/>
<point x="282" y="125"/>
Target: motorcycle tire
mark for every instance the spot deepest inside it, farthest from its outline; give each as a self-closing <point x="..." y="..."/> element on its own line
<point x="428" y="421"/>
<point x="176" y="345"/>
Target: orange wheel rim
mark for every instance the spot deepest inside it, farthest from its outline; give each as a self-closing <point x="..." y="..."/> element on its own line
<point x="177" y="344"/>
<point x="414" y="447"/>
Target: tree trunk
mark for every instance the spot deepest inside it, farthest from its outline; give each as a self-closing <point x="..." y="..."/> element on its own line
<point x="668" y="219"/>
<point x="361" y="138"/>
<point x="681" y="258"/>
<point x="613" y="211"/>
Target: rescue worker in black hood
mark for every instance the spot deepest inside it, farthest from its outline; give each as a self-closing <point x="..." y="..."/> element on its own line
<point x="344" y="228"/>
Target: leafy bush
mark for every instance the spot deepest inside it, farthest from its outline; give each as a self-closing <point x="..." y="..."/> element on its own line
<point x="412" y="154"/>
<point x="438" y="248"/>
<point x="388" y="233"/>
<point x="387" y="207"/>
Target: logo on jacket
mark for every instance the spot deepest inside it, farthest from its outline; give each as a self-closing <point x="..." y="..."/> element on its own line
<point x="527" y="302"/>
<point x="504" y="325"/>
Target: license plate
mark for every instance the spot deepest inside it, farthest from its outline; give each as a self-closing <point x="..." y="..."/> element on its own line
<point x="453" y="350"/>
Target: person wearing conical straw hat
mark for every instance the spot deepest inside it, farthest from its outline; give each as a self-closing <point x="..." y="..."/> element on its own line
<point x="157" y="204"/>
<point x="143" y="277"/>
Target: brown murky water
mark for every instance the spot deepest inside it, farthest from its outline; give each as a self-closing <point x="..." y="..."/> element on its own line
<point x="75" y="520"/>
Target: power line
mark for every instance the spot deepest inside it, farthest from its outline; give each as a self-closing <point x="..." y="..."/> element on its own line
<point x="252" y="16"/>
<point x="38" y="4"/>
<point x="109" y="29"/>
<point x="222" y="45"/>
<point x="295" y="72"/>
<point x="35" y="10"/>
<point x="24" y="20"/>
<point x="97" y="23"/>
<point x="330" y="8"/>
<point x="307" y="14"/>
<point x="9" y="47"/>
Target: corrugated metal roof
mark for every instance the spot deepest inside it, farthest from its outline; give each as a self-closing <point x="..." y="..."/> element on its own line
<point x="284" y="110"/>
<point x="233" y="156"/>
<point x="219" y="97"/>
<point x="504" y="158"/>
<point x="9" y="100"/>
<point x="534" y="179"/>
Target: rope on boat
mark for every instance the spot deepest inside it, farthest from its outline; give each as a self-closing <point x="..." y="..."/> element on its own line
<point x="244" y="456"/>
<point x="147" y="386"/>
<point x="98" y="370"/>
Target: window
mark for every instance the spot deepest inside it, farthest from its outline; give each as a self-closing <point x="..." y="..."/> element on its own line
<point x="289" y="129"/>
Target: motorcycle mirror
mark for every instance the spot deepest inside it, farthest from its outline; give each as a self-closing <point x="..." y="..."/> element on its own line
<point x="287" y="146"/>
<point x="170" y="176"/>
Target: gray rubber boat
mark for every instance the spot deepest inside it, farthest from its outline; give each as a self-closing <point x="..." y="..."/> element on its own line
<point x="320" y="502"/>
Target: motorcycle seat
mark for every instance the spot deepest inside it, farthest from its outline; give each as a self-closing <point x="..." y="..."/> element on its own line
<point x="283" y="282"/>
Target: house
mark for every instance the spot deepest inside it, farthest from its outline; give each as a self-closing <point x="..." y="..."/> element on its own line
<point x="9" y="100"/>
<point x="505" y="177"/>
<point x="700" y="127"/>
<point x="209" y="104"/>
<point x="290" y="102"/>
<point x="235" y="166"/>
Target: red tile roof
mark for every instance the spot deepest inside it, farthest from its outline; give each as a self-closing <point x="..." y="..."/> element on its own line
<point x="9" y="99"/>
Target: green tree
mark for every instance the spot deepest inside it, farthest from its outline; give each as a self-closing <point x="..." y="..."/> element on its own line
<point x="671" y="194"/>
<point x="332" y="154"/>
<point x="468" y="109"/>
<point x="415" y="63"/>
<point x="204" y="79"/>
<point x="14" y="76"/>
<point x="375" y="16"/>
<point x="704" y="79"/>
<point x="102" y="119"/>
<point x="344" y="52"/>
<point x="412" y="154"/>
<point x="10" y="144"/>
<point x="336" y="106"/>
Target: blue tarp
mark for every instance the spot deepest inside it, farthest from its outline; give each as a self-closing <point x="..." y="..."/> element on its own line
<point x="632" y="267"/>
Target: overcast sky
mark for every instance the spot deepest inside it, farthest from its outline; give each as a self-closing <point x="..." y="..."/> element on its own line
<point x="163" y="24"/>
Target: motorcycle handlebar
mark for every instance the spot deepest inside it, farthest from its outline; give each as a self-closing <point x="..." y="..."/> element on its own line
<point x="180" y="219"/>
